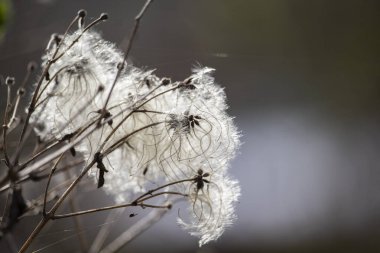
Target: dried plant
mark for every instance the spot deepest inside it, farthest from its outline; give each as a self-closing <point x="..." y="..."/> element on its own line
<point x="140" y="137"/>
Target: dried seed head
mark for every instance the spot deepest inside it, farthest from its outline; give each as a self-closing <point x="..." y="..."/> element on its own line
<point x="165" y="81"/>
<point x="101" y="88"/>
<point x="57" y="38"/>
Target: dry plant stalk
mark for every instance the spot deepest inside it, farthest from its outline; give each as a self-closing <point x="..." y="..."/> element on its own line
<point x="141" y="137"/>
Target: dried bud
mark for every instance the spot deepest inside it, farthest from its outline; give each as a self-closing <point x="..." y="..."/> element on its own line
<point x="103" y="16"/>
<point x="82" y="13"/>
<point x="31" y="66"/>
<point x="101" y="88"/>
<point x="21" y="92"/>
<point x="10" y="80"/>
<point x="120" y="65"/>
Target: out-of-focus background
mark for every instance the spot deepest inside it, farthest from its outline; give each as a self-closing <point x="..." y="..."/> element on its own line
<point x="303" y="81"/>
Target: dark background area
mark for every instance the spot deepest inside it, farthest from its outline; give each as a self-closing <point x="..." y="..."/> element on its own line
<point x="302" y="79"/>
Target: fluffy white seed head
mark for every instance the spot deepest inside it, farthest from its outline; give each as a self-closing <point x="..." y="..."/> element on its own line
<point x="160" y="131"/>
<point x="211" y="209"/>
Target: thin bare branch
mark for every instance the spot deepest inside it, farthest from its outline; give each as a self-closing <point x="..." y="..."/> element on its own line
<point x="48" y="182"/>
<point x="126" y="54"/>
<point x="95" y="210"/>
<point x="5" y="124"/>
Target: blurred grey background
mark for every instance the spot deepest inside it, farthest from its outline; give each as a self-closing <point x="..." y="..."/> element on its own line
<point x="303" y="81"/>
